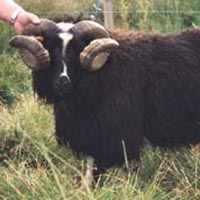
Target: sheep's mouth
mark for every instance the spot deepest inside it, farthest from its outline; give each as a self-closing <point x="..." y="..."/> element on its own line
<point x="62" y="87"/>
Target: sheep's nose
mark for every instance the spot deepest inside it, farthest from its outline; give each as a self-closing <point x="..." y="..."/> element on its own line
<point x="64" y="81"/>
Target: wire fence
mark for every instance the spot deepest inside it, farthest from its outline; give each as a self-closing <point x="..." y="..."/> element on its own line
<point x="157" y="20"/>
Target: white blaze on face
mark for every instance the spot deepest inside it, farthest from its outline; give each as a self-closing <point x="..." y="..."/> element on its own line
<point x="66" y="38"/>
<point x="65" y="26"/>
<point x="64" y="72"/>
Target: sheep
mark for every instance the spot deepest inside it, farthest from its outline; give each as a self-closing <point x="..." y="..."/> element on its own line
<point x="111" y="89"/>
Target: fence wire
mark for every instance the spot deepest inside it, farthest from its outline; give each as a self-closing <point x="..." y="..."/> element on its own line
<point x="150" y="20"/>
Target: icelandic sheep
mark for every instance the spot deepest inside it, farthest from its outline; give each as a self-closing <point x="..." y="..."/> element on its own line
<point x="112" y="88"/>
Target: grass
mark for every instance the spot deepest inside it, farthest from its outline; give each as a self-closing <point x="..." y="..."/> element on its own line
<point x="33" y="166"/>
<point x="14" y="78"/>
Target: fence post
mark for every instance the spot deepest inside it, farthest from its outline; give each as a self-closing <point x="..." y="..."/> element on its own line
<point x="108" y="13"/>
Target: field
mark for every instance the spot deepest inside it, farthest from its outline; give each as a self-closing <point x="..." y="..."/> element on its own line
<point x="33" y="166"/>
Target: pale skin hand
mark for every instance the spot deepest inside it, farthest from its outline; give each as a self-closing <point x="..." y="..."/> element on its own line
<point x="7" y="7"/>
<point x="23" y="19"/>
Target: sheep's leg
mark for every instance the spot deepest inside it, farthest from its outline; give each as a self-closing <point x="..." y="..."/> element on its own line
<point x="97" y="174"/>
<point x="93" y="172"/>
<point x="89" y="171"/>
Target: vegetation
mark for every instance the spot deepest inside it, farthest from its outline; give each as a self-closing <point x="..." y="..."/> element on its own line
<point x="32" y="166"/>
<point x="14" y="79"/>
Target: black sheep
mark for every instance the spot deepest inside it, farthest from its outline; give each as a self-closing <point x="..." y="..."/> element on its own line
<point x="143" y="85"/>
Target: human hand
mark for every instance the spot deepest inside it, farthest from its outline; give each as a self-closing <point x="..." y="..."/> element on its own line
<point x="23" y="19"/>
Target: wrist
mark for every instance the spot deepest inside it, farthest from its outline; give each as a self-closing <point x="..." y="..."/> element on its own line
<point x="14" y="16"/>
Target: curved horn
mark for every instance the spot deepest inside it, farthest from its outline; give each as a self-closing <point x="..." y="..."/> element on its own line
<point x="89" y="30"/>
<point x="95" y="55"/>
<point x="41" y="28"/>
<point x="34" y="55"/>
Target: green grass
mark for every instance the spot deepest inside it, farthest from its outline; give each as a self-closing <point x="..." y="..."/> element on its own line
<point x="14" y="78"/>
<point x="33" y="166"/>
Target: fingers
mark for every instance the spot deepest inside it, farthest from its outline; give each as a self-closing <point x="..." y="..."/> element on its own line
<point x="40" y="38"/>
<point x="33" y="18"/>
<point x="24" y="19"/>
<point x="18" y="28"/>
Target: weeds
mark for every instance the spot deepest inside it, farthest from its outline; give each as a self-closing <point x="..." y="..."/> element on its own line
<point x="33" y="166"/>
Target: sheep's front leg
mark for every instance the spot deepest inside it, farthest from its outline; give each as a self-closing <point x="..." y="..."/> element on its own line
<point x="93" y="172"/>
<point x="89" y="171"/>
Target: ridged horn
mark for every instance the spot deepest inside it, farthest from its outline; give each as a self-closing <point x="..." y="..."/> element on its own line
<point x="41" y="28"/>
<point x="33" y="54"/>
<point x="89" y="30"/>
<point x="95" y="55"/>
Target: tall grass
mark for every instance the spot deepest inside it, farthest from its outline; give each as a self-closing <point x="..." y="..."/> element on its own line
<point x="14" y="78"/>
<point x="125" y="5"/>
<point x="5" y="34"/>
<point x="32" y="166"/>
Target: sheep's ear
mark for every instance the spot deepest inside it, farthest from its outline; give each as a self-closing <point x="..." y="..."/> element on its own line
<point x="33" y="54"/>
<point x="95" y="55"/>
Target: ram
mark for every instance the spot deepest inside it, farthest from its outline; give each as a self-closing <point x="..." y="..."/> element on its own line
<point x="110" y="89"/>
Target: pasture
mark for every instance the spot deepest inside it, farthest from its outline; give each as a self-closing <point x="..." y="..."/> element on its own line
<point x="33" y="166"/>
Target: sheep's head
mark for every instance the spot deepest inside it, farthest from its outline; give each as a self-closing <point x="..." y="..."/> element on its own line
<point x="66" y="51"/>
<point x="89" y="37"/>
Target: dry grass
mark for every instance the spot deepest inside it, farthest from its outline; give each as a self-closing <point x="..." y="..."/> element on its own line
<point x="32" y="166"/>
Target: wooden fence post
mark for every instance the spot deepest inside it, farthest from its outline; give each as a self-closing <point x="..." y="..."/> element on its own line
<point x="108" y="13"/>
